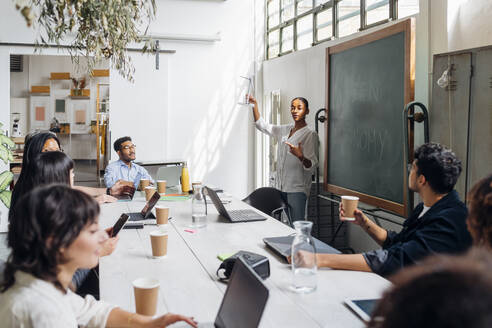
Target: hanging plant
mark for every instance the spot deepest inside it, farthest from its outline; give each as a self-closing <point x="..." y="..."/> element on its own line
<point x="101" y="29"/>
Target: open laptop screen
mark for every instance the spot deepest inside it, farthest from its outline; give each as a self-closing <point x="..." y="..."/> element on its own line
<point x="150" y="204"/>
<point x="244" y="299"/>
<point x="217" y="202"/>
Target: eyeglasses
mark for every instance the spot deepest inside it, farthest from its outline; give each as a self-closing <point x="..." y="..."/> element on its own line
<point x="129" y="147"/>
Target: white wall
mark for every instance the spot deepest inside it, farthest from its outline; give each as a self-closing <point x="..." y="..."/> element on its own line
<point x="205" y="126"/>
<point x="469" y="24"/>
<point x="196" y="118"/>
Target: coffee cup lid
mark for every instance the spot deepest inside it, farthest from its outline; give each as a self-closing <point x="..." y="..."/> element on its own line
<point x="158" y="233"/>
<point x="350" y="197"/>
<point x="146" y="283"/>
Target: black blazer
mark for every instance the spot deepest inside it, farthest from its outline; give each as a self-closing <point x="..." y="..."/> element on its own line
<point x="442" y="229"/>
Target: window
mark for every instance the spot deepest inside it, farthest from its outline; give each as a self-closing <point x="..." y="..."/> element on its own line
<point x="299" y="24"/>
<point x="305" y="32"/>
<point x="348" y="17"/>
<point x="324" y="25"/>
<point x="377" y="11"/>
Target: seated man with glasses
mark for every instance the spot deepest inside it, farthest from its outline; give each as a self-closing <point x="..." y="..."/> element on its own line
<point x="124" y="169"/>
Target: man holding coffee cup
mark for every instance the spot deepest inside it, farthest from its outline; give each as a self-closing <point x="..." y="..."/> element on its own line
<point x="437" y="225"/>
<point x="124" y="169"/>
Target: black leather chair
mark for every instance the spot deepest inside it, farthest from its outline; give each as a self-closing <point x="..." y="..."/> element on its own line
<point x="269" y="201"/>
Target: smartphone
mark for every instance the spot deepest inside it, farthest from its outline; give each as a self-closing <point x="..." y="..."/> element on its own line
<point x="363" y="307"/>
<point x="119" y="224"/>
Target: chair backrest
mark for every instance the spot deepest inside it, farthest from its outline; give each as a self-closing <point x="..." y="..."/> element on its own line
<point x="2" y="266"/>
<point x="169" y="173"/>
<point x="267" y="200"/>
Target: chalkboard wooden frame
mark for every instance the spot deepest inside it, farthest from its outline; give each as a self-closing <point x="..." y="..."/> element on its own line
<point x="408" y="28"/>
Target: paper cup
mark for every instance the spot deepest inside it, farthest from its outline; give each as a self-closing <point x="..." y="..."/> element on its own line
<point x="149" y="191"/>
<point x="146" y="291"/>
<point x="158" y="241"/>
<point x="162" y="215"/>
<point x="143" y="183"/>
<point x="349" y="204"/>
<point x="161" y="186"/>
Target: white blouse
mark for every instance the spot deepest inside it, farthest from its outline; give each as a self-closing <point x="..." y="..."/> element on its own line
<point x="32" y="302"/>
<point x="292" y="175"/>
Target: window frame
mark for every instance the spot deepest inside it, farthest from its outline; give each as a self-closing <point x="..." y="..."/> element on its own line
<point x="334" y="5"/>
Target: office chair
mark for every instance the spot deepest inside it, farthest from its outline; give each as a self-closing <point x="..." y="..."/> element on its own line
<point x="269" y="201"/>
<point x="2" y="267"/>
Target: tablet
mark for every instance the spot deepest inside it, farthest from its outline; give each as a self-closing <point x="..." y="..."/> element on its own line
<point x="363" y="308"/>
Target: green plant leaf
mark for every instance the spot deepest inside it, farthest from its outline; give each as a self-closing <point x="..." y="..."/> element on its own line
<point x="4" y="154"/>
<point x="6" y="196"/>
<point x="5" y="179"/>
<point x="4" y="140"/>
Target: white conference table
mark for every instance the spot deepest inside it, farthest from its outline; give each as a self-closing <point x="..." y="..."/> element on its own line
<point x="187" y="274"/>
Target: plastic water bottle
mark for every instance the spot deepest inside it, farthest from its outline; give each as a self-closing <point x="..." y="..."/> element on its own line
<point x="304" y="266"/>
<point x="198" y="208"/>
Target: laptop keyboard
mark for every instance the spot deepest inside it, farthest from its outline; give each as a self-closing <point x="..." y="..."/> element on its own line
<point x="244" y="215"/>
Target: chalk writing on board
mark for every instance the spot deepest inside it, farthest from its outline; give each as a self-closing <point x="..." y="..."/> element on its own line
<point x="369" y="141"/>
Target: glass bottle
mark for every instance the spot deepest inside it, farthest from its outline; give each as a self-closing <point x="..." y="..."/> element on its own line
<point x="198" y="207"/>
<point x="304" y="266"/>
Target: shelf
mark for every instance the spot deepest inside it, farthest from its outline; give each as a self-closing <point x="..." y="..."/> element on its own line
<point x="60" y="76"/>
<point x="100" y="73"/>
<point x="85" y="93"/>
<point x="40" y="89"/>
<point x="80" y="97"/>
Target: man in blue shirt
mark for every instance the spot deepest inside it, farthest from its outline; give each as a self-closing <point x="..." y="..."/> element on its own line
<point x="124" y="169"/>
<point x="437" y="225"/>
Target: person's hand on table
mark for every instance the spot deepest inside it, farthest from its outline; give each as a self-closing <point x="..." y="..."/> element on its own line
<point x="169" y="319"/>
<point x="296" y="151"/>
<point x="359" y="217"/>
<point x="109" y="245"/>
<point x="121" y="187"/>
<point x="303" y="258"/>
<point x="105" y="199"/>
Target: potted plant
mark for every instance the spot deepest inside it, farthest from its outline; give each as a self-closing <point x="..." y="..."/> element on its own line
<point x="6" y="155"/>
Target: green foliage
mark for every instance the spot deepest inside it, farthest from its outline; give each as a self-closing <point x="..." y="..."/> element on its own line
<point x="103" y="29"/>
<point x="6" y="155"/>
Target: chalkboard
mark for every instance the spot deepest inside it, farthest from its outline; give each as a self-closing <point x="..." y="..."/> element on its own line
<point x="369" y="81"/>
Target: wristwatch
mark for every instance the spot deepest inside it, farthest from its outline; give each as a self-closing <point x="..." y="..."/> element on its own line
<point x="108" y="191"/>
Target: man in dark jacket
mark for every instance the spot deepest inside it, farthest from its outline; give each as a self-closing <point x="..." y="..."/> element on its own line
<point x="437" y="225"/>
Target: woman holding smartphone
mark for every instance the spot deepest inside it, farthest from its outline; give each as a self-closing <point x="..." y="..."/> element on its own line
<point x="296" y="155"/>
<point x="54" y="233"/>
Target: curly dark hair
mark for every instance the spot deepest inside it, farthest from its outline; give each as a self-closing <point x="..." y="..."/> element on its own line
<point x="441" y="292"/>
<point x="44" y="168"/>
<point x="439" y="165"/>
<point x="46" y="220"/>
<point x="480" y="212"/>
<point x="119" y="141"/>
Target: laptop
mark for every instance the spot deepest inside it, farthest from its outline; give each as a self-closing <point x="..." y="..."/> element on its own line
<point x="244" y="300"/>
<point x="282" y="246"/>
<point x="146" y="212"/>
<point x="232" y="215"/>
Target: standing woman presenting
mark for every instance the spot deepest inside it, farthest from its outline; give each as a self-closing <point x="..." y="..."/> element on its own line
<point x="296" y="155"/>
